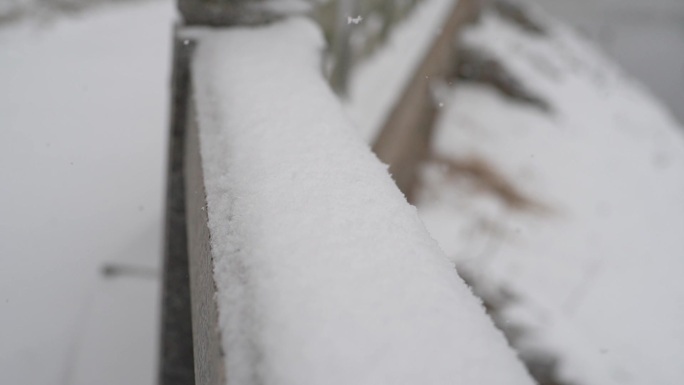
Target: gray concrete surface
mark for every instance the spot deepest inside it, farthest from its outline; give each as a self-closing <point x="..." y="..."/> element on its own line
<point x="645" y="37"/>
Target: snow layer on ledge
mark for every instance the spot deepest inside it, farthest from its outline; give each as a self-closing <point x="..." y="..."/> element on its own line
<point x="597" y="283"/>
<point x="325" y="275"/>
<point x="376" y="85"/>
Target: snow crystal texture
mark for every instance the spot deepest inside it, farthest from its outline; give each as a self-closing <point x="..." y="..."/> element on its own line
<point x="324" y="273"/>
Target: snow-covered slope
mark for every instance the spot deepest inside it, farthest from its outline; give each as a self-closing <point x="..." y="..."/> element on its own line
<point x="589" y="277"/>
<point x="324" y="273"/>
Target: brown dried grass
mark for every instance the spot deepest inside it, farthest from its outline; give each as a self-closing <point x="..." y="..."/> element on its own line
<point x="488" y="179"/>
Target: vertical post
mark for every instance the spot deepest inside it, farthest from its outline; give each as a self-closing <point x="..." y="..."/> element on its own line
<point x="340" y="46"/>
<point x="404" y="140"/>
<point x="208" y="12"/>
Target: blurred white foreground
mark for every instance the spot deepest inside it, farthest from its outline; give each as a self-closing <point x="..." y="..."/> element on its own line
<point x="83" y="103"/>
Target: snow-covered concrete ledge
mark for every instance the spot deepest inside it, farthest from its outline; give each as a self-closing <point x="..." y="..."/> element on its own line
<point x="324" y="274"/>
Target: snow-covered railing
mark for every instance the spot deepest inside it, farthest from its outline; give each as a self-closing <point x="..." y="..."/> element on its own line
<point x="307" y="265"/>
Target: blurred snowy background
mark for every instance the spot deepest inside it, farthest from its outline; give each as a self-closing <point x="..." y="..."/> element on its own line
<point x="83" y="115"/>
<point x="645" y="37"/>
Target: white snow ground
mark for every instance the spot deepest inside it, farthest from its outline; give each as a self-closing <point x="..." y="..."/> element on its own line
<point x="83" y="105"/>
<point x="324" y="273"/>
<point x="596" y="280"/>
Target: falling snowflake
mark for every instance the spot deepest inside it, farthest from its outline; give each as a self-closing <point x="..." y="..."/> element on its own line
<point x="354" y="20"/>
